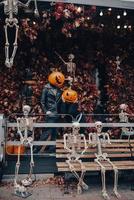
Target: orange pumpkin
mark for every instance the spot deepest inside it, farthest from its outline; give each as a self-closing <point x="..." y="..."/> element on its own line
<point x="9" y="149"/>
<point x="56" y="78"/>
<point x="70" y="96"/>
<point x="16" y="149"/>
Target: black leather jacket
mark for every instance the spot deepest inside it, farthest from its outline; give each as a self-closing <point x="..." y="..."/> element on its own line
<point x="50" y="98"/>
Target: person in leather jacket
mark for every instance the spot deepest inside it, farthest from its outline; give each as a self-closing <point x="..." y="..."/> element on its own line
<point x="50" y="100"/>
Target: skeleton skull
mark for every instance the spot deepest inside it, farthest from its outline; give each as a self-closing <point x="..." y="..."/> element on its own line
<point x="71" y="57"/>
<point x="98" y="126"/>
<point x="123" y="107"/>
<point x="76" y="127"/>
<point x="26" y="110"/>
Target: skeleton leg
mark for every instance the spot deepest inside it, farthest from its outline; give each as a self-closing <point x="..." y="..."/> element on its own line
<point x="83" y="171"/>
<point x="15" y="46"/>
<point x="103" y="177"/>
<point x="17" y="167"/>
<point x="18" y="189"/>
<point x="115" y="178"/>
<point x="7" y="63"/>
<point x="72" y="169"/>
<point x="28" y="181"/>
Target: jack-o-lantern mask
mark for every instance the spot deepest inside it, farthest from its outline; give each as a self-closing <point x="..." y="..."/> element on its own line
<point x="56" y="79"/>
<point x="70" y="96"/>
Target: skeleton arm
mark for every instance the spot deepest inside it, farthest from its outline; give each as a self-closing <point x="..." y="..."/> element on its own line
<point x="92" y="139"/>
<point x="18" y="127"/>
<point x="59" y="56"/>
<point x="107" y="138"/>
<point x="65" y="143"/>
<point x="85" y="143"/>
<point x="24" y="4"/>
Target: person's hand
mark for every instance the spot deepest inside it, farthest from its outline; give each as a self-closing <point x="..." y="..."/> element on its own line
<point x="63" y="99"/>
<point x="48" y="113"/>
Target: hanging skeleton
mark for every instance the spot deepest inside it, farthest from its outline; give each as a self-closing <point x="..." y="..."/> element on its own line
<point x="71" y="66"/>
<point x="100" y="139"/>
<point x="72" y="143"/>
<point x="118" y="62"/>
<point x="11" y="9"/>
<point x="26" y="133"/>
<point x="123" y="116"/>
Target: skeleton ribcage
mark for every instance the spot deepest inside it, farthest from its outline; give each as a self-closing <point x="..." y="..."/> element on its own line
<point x="26" y="124"/>
<point x="71" y="143"/>
<point x="11" y="6"/>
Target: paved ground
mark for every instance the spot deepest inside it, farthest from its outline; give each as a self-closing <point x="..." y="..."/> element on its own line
<point x="42" y="191"/>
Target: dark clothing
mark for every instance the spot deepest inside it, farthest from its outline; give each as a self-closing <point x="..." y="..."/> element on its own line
<point x="71" y="109"/>
<point x="50" y="98"/>
<point x="50" y="101"/>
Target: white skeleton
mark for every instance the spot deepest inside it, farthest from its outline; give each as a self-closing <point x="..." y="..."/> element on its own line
<point x="100" y="139"/>
<point x="11" y="9"/>
<point x="72" y="143"/>
<point x="71" y="66"/>
<point x="123" y="116"/>
<point x="24" y="126"/>
<point x="118" y="62"/>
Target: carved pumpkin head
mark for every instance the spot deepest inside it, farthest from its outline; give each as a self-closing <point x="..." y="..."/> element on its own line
<point x="56" y="78"/>
<point x="70" y="96"/>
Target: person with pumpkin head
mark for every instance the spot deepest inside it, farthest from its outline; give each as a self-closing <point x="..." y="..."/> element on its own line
<point x="50" y="100"/>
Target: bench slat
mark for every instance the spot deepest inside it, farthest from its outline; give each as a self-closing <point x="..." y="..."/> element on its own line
<point x="92" y="166"/>
<point x="121" y="150"/>
<point x="113" y="145"/>
<point x="93" y="156"/>
<point x="112" y="141"/>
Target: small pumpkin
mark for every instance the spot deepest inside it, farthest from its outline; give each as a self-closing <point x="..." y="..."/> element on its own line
<point x="70" y="96"/>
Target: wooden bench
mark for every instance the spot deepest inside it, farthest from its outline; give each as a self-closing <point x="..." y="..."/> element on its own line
<point x="120" y="152"/>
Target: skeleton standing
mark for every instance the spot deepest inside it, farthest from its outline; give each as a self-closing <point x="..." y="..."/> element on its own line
<point x="11" y="9"/>
<point x="72" y="143"/>
<point x="26" y="133"/>
<point x="99" y="139"/>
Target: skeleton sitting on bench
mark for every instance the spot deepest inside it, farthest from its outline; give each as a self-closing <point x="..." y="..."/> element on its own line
<point x="123" y="116"/>
<point x="26" y="133"/>
<point x="100" y="139"/>
<point x="72" y="143"/>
